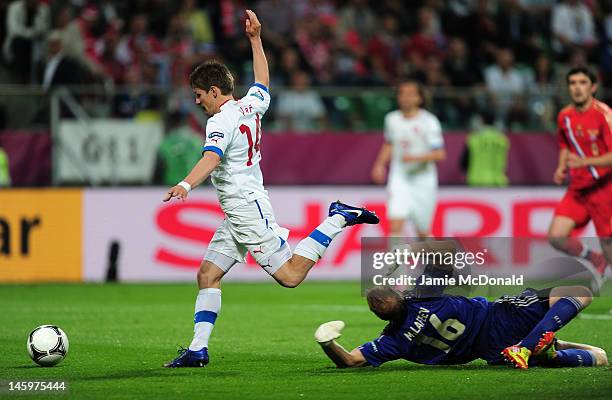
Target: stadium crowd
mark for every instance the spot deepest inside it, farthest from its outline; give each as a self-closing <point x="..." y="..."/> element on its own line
<point x="510" y="51"/>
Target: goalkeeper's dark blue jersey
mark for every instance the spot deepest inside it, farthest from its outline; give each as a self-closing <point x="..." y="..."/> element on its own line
<point x="441" y="330"/>
<point x="457" y="330"/>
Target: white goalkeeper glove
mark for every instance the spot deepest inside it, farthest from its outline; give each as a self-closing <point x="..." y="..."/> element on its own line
<point x="329" y="331"/>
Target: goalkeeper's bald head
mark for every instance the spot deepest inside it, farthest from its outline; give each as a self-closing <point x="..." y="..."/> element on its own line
<point x="386" y="303"/>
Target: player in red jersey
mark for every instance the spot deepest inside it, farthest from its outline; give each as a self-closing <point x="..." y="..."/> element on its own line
<point x="585" y="139"/>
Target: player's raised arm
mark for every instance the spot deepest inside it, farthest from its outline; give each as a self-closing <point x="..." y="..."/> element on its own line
<point x="260" y="63"/>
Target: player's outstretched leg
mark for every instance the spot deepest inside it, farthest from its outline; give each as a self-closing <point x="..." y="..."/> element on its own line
<point x="559" y="237"/>
<point x="566" y="354"/>
<point x="311" y="248"/>
<point x="207" y="307"/>
<point x="565" y="303"/>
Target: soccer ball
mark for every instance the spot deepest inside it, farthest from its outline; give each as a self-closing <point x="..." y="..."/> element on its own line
<point x="47" y="345"/>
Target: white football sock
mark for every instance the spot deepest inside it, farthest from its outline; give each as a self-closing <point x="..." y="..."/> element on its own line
<point x="207" y="307"/>
<point x="313" y="246"/>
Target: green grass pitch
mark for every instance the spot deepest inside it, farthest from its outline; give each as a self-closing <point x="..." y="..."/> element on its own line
<point x="262" y="347"/>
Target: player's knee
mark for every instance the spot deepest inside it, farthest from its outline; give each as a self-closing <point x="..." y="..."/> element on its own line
<point x="207" y="277"/>
<point x="584" y="296"/>
<point x="556" y="241"/>
<point x="289" y="282"/>
<point x="287" y="279"/>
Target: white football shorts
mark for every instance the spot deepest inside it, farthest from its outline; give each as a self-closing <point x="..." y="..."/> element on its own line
<point x="250" y="228"/>
<point x="413" y="198"/>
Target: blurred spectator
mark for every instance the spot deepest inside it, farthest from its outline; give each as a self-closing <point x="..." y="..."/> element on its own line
<point x="27" y="21"/>
<point x="535" y="7"/>
<point x="606" y="59"/>
<point x="156" y="12"/>
<point x="485" y="156"/>
<point x="506" y="87"/>
<point x="290" y="62"/>
<point x="356" y="18"/>
<point x="462" y="72"/>
<point x="300" y="109"/>
<point x="385" y="49"/>
<point x="434" y="76"/>
<point x="481" y="32"/>
<point x="427" y="42"/>
<point x="517" y="31"/>
<point x="461" y="8"/>
<point x="541" y="104"/>
<point x="539" y="10"/>
<point x="199" y="25"/>
<point x="138" y="42"/>
<point x="4" y="5"/>
<point x="356" y="26"/>
<point x="109" y="62"/>
<point x="314" y="9"/>
<point x="108" y="10"/>
<point x="60" y="69"/>
<point x="277" y="17"/>
<point x="178" y="152"/>
<point x="460" y="68"/>
<point x="315" y="41"/>
<point x="78" y="39"/>
<point x="403" y="11"/>
<point x="135" y="97"/>
<point x="572" y="25"/>
<point x="178" y="41"/>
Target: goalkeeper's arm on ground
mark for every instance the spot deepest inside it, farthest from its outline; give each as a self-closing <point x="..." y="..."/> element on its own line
<point x="326" y="334"/>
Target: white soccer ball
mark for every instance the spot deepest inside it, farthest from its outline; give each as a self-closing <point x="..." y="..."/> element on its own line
<point x="47" y="345"/>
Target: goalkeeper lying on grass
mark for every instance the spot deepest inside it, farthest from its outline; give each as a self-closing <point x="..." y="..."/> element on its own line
<point x="519" y="330"/>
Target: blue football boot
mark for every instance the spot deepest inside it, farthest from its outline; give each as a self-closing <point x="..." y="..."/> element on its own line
<point x="353" y="215"/>
<point x="189" y="358"/>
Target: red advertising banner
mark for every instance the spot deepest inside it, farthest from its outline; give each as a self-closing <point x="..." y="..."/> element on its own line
<point x="167" y="241"/>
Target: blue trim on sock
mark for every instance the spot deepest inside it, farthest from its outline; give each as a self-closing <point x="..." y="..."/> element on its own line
<point x="205" y="316"/>
<point x="557" y="316"/>
<point x="574" y="358"/>
<point x="320" y="237"/>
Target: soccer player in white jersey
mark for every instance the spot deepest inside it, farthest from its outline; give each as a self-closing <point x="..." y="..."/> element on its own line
<point x="413" y="144"/>
<point x="231" y="157"/>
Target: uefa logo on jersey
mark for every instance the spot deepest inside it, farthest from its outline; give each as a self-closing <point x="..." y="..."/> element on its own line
<point x="215" y="136"/>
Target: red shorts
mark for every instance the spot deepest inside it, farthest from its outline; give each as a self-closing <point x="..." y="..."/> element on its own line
<point x="582" y="205"/>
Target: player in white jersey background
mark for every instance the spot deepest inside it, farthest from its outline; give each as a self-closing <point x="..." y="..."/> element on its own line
<point x="413" y="144"/>
<point x="231" y="157"/>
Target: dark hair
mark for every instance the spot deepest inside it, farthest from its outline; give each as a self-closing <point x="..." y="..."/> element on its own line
<point x="386" y="303"/>
<point x="212" y="73"/>
<point x="581" y="70"/>
<point x="419" y="86"/>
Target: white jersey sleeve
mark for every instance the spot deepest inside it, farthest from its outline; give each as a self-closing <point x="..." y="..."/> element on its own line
<point x="434" y="134"/>
<point x="257" y="97"/>
<point x="218" y="136"/>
